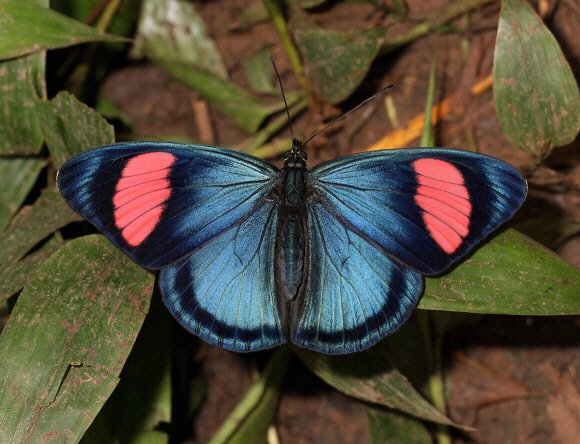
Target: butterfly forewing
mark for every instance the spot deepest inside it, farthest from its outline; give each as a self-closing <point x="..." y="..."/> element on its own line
<point x="425" y="207"/>
<point x="158" y="202"/>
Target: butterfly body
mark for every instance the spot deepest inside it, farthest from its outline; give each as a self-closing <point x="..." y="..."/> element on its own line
<point x="251" y="256"/>
<point x="291" y="242"/>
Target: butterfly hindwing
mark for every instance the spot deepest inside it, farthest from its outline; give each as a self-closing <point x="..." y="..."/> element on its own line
<point x="355" y="294"/>
<point x="159" y="201"/>
<point x="224" y="292"/>
<point x="425" y="207"/>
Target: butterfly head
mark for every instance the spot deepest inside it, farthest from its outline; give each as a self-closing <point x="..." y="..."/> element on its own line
<point x="295" y="158"/>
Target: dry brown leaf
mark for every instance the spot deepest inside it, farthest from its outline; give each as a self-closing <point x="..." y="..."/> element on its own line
<point x="563" y="408"/>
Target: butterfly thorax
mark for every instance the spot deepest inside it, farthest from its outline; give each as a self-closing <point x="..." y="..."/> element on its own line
<point x="290" y="242"/>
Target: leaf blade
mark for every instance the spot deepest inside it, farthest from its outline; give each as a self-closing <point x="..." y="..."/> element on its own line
<point x="535" y="93"/>
<point x="17" y="176"/>
<point x="27" y="27"/>
<point x="67" y="340"/>
<point x="70" y="127"/>
<point x="522" y="278"/>
<point x="30" y="226"/>
<point x="370" y="376"/>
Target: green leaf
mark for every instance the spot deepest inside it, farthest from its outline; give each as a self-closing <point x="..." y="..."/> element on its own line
<point x="17" y="176"/>
<point x="428" y="134"/>
<point x="436" y="21"/>
<point x="27" y="27"/>
<point x="337" y="61"/>
<point x="22" y="83"/>
<point x="142" y="400"/>
<point x="30" y="226"/>
<point x="122" y="23"/>
<point x="257" y="146"/>
<point x="70" y="127"/>
<point x="172" y="31"/>
<point x="370" y="376"/>
<point x="306" y="4"/>
<point x="409" y="352"/>
<point x="392" y="427"/>
<point x="173" y="34"/>
<point x="243" y="108"/>
<point x="67" y="340"/>
<point x="17" y="275"/>
<point x="535" y="93"/>
<point x="259" y="72"/>
<point x="250" y="15"/>
<point x="106" y="108"/>
<point x="511" y="274"/>
<point x="251" y="418"/>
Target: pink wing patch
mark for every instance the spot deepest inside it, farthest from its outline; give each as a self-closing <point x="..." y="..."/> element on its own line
<point x="140" y="194"/>
<point x="444" y="199"/>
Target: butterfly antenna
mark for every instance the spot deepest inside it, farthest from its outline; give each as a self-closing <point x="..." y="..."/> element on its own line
<point x="347" y="113"/>
<point x="295" y="143"/>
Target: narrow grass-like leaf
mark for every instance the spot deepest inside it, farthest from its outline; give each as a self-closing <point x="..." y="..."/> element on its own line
<point x="22" y="83"/>
<point x="436" y="20"/>
<point x="31" y="225"/>
<point x="250" y="419"/>
<point x="278" y="19"/>
<point x="243" y="108"/>
<point x="70" y="127"/>
<point x="428" y="135"/>
<point x="27" y="27"/>
<point x="370" y="376"/>
<point x="535" y="93"/>
<point x="118" y="19"/>
<point x="67" y="340"/>
<point x="306" y="3"/>
<point x="392" y="427"/>
<point x="17" y="176"/>
<point x="15" y="277"/>
<point x="511" y="274"/>
<point x="173" y="32"/>
<point x="257" y="146"/>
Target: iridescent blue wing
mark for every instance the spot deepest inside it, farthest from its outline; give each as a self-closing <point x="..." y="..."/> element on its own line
<point x="355" y="292"/>
<point x="224" y="292"/>
<point x="205" y="216"/>
<point x="378" y="221"/>
<point x="160" y="201"/>
<point x="426" y="207"/>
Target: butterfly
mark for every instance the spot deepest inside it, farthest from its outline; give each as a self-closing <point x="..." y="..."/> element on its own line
<point x="252" y="256"/>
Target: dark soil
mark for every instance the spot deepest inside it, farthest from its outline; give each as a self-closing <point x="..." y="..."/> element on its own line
<point x="515" y="379"/>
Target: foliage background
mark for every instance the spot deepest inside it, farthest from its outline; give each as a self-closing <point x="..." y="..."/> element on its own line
<point x="72" y="306"/>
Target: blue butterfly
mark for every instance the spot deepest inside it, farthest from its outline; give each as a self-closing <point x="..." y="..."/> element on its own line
<point x="252" y="256"/>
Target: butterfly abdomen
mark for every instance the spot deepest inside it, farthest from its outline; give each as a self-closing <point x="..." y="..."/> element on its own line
<point x="290" y="242"/>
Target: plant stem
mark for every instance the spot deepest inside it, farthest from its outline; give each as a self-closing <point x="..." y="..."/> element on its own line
<point x="434" y="349"/>
<point x="107" y="15"/>
<point x="280" y="24"/>
<point x="437" y="388"/>
<point x="455" y="9"/>
<point x="253" y="144"/>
